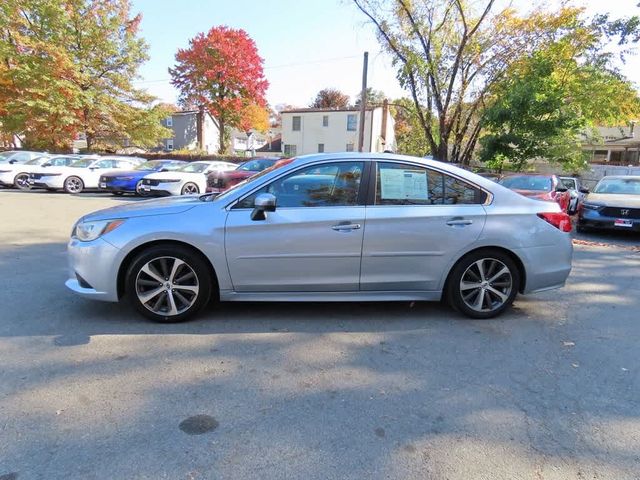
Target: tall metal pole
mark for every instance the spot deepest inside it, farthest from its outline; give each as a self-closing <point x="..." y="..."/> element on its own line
<point x="363" y="102"/>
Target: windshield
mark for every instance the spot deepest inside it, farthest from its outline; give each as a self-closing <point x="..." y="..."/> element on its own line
<point x="255" y="165"/>
<point x="152" y="165"/>
<point x="278" y="164"/>
<point x="622" y="186"/>
<point x="195" y="167"/>
<point x="36" y="161"/>
<point x="527" y="182"/>
<point x="82" y="163"/>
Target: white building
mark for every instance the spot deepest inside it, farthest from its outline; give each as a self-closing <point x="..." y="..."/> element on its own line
<point x="316" y="130"/>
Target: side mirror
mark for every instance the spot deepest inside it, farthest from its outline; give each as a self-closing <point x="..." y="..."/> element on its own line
<point x="11" y="162"/>
<point x="584" y="190"/>
<point x="46" y="164"/>
<point x="265" y="202"/>
<point x="561" y="188"/>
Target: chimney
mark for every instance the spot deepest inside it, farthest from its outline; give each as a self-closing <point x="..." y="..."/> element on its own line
<point x="385" y="113"/>
<point x="200" y="127"/>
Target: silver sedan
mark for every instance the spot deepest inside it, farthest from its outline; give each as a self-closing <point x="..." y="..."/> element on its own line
<point x="327" y="227"/>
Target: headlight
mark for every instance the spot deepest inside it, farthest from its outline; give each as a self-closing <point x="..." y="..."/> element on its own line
<point x="87" y="231"/>
<point x="592" y="206"/>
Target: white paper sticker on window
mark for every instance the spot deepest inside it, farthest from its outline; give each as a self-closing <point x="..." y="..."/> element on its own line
<point x="396" y="184"/>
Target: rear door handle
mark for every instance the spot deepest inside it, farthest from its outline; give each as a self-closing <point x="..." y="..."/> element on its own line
<point x="345" y="227"/>
<point x="459" y="221"/>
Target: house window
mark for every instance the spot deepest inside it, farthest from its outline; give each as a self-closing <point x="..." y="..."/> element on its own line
<point x="170" y="144"/>
<point x="296" y="123"/>
<point x="290" y="150"/>
<point x="352" y="122"/>
<point x="321" y="148"/>
<point x="349" y="147"/>
<point x="169" y="122"/>
<point x="325" y="120"/>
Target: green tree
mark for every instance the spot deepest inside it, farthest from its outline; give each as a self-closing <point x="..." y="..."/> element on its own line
<point x="549" y="98"/>
<point x="68" y="66"/>
<point x="410" y="137"/>
<point x="374" y="97"/>
<point x="451" y="55"/>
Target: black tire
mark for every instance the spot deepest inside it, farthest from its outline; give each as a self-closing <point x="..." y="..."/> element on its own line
<point x="73" y="185"/>
<point x="117" y="194"/>
<point x="137" y="283"/>
<point x="186" y="189"/>
<point x="21" y="181"/>
<point x="467" y="267"/>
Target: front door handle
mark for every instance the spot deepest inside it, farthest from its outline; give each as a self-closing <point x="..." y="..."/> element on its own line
<point x="459" y="221"/>
<point x="345" y="227"/>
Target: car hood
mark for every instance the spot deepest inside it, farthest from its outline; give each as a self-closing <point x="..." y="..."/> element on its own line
<point x="161" y="206"/>
<point x="614" y="200"/>
<point x="128" y="173"/>
<point x="174" y="175"/>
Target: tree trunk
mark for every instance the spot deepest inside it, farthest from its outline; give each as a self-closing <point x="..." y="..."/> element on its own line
<point x="223" y="141"/>
<point x="89" y="137"/>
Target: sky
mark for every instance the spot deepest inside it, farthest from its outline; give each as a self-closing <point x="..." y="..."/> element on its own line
<point x="307" y="45"/>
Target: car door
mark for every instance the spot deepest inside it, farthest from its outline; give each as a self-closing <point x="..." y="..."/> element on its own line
<point x="312" y="242"/>
<point x="417" y="220"/>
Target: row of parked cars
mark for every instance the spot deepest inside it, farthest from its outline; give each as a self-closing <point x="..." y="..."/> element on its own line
<point x="122" y="175"/>
<point x="613" y="204"/>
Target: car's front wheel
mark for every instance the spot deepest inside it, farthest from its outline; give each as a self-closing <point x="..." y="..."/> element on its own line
<point x="168" y="284"/>
<point x="73" y="185"/>
<point x="483" y="284"/>
<point x="139" y="190"/>
<point x="190" y="188"/>
<point x="21" y="181"/>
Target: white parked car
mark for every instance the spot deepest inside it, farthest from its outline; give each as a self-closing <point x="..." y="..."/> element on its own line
<point x="17" y="174"/>
<point x="19" y="156"/>
<point x="81" y="175"/>
<point x="188" y="180"/>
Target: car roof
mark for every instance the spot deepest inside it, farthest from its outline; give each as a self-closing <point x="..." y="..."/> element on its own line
<point x="621" y="177"/>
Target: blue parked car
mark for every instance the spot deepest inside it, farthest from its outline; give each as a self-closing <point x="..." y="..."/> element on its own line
<point x="119" y="183"/>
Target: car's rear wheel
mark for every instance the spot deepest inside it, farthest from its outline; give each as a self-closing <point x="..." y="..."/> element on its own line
<point x="483" y="284"/>
<point x="168" y="284"/>
<point x="21" y="181"/>
<point x="190" y="188"/>
<point x="73" y="185"/>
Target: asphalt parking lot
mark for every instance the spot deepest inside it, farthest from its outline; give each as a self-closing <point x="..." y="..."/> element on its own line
<point x="88" y="390"/>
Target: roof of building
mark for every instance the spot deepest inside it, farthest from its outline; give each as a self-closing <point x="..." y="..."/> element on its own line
<point x="328" y="110"/>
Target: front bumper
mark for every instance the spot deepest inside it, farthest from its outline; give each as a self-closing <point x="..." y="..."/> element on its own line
<point x="115" y="185"/>
<point x="93" y="269"/>
<point x="593" y="219"/>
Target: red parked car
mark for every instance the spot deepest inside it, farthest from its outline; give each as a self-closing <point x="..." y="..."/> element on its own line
<point x="541" y="187"/>
<point x="219" y="181"/>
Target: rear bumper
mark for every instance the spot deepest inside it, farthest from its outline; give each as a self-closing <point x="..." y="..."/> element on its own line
<point x="546" y="267"/>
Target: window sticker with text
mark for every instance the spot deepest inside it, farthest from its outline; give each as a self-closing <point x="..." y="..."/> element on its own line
<point x="403" y="184"/>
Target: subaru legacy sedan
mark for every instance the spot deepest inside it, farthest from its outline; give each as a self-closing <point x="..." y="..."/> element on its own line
<point x="327" y="227"/>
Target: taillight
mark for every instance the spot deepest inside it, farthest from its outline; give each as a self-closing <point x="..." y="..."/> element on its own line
<point x="560" y="220"/>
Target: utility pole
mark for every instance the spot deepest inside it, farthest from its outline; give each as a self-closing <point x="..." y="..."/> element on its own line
<point x="363" y="101"/>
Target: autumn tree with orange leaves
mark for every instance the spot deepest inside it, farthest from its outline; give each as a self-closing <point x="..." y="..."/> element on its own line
<point x="221" y="71"/>
<point x="67" y="67"/>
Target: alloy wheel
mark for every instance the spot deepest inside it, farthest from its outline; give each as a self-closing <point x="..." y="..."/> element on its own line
<point x="22" y="181"/>
<point x="486" y="285"/>
<point x="73" y="185"/>
<point x="190" y="189"/>
<point x="167" y="286"/>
